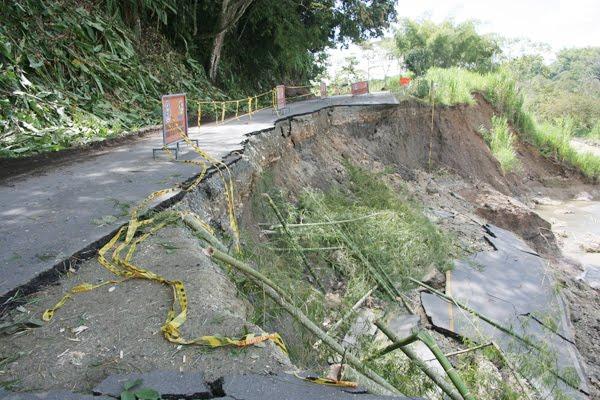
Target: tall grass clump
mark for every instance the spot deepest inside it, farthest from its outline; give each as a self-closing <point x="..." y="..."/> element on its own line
<point x="594" y="133"/>
<point x="456" y="86"/>
<point x="501" y="143"/>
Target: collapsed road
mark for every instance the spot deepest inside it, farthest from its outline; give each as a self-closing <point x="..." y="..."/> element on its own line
<point x="443" y="177"/>
<point x="52" y="214"/>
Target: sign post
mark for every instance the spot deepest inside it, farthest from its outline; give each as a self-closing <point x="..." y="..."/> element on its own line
<point x="405" y="81"/>
<point x="280" y="92"/>
<point x="323" y="90"/>
<point x="175" y="122"/>
<point x="359" y="88"/>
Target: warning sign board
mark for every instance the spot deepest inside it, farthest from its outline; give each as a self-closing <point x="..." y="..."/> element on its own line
<point x="175" y="123"/>
<point x="280" y="90"/>
<point x="360" y="88"/>
<point x="323" y="90"/>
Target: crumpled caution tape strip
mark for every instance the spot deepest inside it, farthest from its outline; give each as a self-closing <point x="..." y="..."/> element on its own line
<point x="124" y="268"/>
<point x="328" y="381"/>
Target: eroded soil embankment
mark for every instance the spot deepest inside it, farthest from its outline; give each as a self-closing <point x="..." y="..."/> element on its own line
<point x="123" y="325"/>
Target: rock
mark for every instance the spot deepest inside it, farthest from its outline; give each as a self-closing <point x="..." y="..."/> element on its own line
<point x="169" y="384"/>
<point x="363" y="326"/>
<point x="431" y="188"/>
<point x="283" y="386"/>
<point x="434" y="278"/>
<point x="403" y="325"/>
<point x="52" y="395"/>
<point x="584" y="196"/>
<point x="591" y="275"/>
<point x="545" y="201"/>
<point x="591" y="247"/>
<point x="332" y="300"/>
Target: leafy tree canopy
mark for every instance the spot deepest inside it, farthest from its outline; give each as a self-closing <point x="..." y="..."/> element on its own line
<point x="426" y="44"/>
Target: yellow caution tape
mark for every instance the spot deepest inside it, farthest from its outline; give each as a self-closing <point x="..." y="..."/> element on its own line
<point x="124" y="268"/>
<point x="329" y="381"/>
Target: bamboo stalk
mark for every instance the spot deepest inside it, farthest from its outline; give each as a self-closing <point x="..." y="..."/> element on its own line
<point x="448" y="367"/>
<point x="195" y="225"/>
<point x="512" y="369"/>
<point x="293" y="241"/>
<point x="346" y="316"/>
<point x="276" y="294"/>
<point x="338" y="222"/>
<point x="427" y="370"/>
<point x="306" y="248"/>
<point x="459" y="352"/>
<point x="413" y="337"/>
<point x="246" y="269"/>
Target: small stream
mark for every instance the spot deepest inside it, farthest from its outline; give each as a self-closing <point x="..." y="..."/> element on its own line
<point x="576" y="224"/>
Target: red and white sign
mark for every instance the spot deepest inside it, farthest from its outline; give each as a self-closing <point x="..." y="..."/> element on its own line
<point x="360" y="88"/>
<point x="405" y="81"/>
<point x="175" y="123"/>
<point x="323" y="90"/>
<point x="280" y="91"/>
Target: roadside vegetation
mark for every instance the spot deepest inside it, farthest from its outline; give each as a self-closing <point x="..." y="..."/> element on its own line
<point x="382" y="232"/>
<point x="73" y="72"/>
<point x="348" y="236"/>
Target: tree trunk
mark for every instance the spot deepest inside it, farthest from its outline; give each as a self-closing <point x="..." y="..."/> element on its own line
<point x="215" y="56"/>
<point x="231" y="12"/>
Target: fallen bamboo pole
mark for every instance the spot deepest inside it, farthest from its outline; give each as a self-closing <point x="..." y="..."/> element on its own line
<point x="427" y="370"/>
<point x="448" y="367"/>
<point x="459" y="352"/>
<point x="275" y="293"/>
<point x="196" y="226"/>
<point x="338" y="222"/>
<point x="293" y="241"/>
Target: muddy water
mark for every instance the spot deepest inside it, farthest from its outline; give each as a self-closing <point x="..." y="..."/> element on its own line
<point x="577" y="226"/>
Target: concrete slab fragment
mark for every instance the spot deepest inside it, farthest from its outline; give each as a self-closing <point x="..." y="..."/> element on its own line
<point x="287" y="387"/>
<point x="511" y="286"/>
<point x="501" y="238"/>
<point x="55" y="395"/>
<point x="169" y="384"/>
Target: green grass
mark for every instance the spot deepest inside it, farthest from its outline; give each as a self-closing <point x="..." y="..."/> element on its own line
<point x="396" y="236"/>
<point x="456" y="86"/>
<point x="501" y="142"/>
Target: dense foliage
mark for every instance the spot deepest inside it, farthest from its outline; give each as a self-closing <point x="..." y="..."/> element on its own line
<point x="78" y="71"/>
<point x="568" y="88"/>
<point x="424" y="45"/>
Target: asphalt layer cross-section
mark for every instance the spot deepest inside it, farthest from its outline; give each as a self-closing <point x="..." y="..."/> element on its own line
<point x="47" y="217"/>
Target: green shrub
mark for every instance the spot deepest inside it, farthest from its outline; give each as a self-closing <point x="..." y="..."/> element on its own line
<point x="501" y="142"/>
